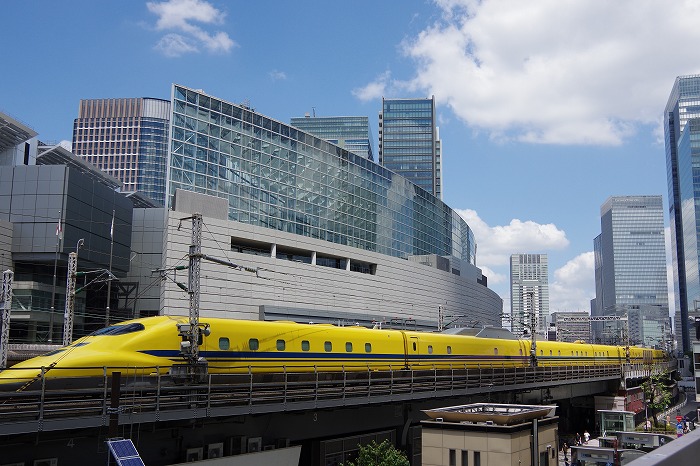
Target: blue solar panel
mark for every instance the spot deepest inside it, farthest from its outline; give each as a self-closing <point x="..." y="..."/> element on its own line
<point x="125" y="452"/>
<point x="131" y="462"/>
<point x="122" y="448"/>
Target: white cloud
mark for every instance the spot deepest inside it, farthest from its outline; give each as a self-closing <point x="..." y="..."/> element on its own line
<point x="180" y="15"/>
<point x="67" y="145"/>
<point x="533" y="71"/>
<point x="174" y="45"/>
<point x="573" y="286"/>
<point x="496" y="244"/>
<point x="374" y="90"/>
<point x="276" y="75"/>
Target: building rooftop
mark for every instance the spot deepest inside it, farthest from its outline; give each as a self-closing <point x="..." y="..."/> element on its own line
<point x="12" y="132"/>
<point x="501" y="414"/>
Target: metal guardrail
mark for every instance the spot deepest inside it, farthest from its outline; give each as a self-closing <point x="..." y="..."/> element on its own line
<point x="45" y="406"/>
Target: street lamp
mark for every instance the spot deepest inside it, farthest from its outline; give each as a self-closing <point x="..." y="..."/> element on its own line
<point x="646" y="414"/>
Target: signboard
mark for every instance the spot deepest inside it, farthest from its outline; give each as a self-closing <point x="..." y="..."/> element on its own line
<point x="679" y="429"/>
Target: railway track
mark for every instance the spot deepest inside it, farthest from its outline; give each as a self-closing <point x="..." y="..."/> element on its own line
<point x="46" y="406"/>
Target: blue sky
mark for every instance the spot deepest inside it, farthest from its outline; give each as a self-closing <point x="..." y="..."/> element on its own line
<point x="546" y="108"/>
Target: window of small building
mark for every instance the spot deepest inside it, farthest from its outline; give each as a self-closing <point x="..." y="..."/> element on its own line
<point x="465" y="457"/>
<point x="281" y="345"/>
<point x="305" y="346"/>
<point x="348" y="347"/>
<point x="328" y="346"/>
<point x="253" y="344"/>
<point x="477" y="458"/>
<point x="430" y="349"/>
<point x="224" y="343"/>
<point x="453" y="457"/>
<point x="368" y="347"/>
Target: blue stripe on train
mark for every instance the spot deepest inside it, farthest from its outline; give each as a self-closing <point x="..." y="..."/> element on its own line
<point x="268" y="355"/>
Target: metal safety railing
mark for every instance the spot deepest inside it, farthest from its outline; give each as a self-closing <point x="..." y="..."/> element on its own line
<point x="55" y="403"/>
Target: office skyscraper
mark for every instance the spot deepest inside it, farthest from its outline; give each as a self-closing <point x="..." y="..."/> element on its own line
<point x="409" y="142"/>
<point x="127" y="138"/>
<point x="683" y="106"/>
<point x="630" y="267"/>
<point x="529" y="292"/>
<point x="349" y="132"/>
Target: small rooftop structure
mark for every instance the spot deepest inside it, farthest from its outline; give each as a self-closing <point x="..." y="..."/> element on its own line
<point x="490" y="434"/>
<point x="502" y="414"/>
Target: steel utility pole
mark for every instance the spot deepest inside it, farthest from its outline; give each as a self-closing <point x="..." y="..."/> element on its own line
<point x="193" y="285"/>
<point x="70" y="299"/>
<point x="191" y="333"/>
<point x="6" y="302"/>
<point x="533" y="329"/>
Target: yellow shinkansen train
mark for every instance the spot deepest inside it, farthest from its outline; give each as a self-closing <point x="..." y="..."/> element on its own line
<point x="152" y="345"/>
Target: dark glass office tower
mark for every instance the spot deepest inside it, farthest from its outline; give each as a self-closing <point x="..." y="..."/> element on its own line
<point x="127" y="138"/>
<point x="409" y="142"/>
<point x="683" y="106"/>
<point x="349" y="132"/>
<point x="630" y="271"/>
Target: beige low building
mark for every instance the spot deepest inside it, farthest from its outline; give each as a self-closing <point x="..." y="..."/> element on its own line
<point x="486" y="434"/>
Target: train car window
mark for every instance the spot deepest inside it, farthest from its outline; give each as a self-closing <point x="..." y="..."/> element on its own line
<point x="281" y="345"/>
<point x="348" y="347"/>
<point x="559" y="353"/>
<point x="328" y="346"/>
<point x="430" y="349"/>
<point x="119" y="329"/>
<point x="495" y="351"/>
<point x="305" y="346"/>
<point x="224" y="343"/>
<point x="368" y="347"/>
<point x="254" y="344"/>
<point x="449" y="350"/>
<point x="550" y="352"/>
<point x="541" y="353"/>
<point x="54" y="352"/>
<point x="521" y="352"/>
<point x="414" y="346"/>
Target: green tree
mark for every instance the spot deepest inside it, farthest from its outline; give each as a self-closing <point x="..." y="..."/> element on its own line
<point x="382" y="454"/>
<point x="657" y="393"/>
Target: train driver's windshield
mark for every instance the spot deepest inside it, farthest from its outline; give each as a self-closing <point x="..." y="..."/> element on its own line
<point x="119" y="329"/>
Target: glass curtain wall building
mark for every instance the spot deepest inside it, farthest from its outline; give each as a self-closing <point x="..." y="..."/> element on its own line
<point x="409" y="142"/>
<point x="630" y="258"/>
<point x="276" y="176"/>
<point x="683" y="105"/>
<point x="529" y="292"/>
<point x="127" y="138"/>
<point x="350" y="132"/>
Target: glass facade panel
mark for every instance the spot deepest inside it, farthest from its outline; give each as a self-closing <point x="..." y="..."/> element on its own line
<point x="289" y="180"/>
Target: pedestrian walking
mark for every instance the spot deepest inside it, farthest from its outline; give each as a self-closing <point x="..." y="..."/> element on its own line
<point x="586" y="437"/>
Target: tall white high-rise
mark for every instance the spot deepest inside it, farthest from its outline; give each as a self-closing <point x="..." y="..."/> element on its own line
<point x="529" y="293"/>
